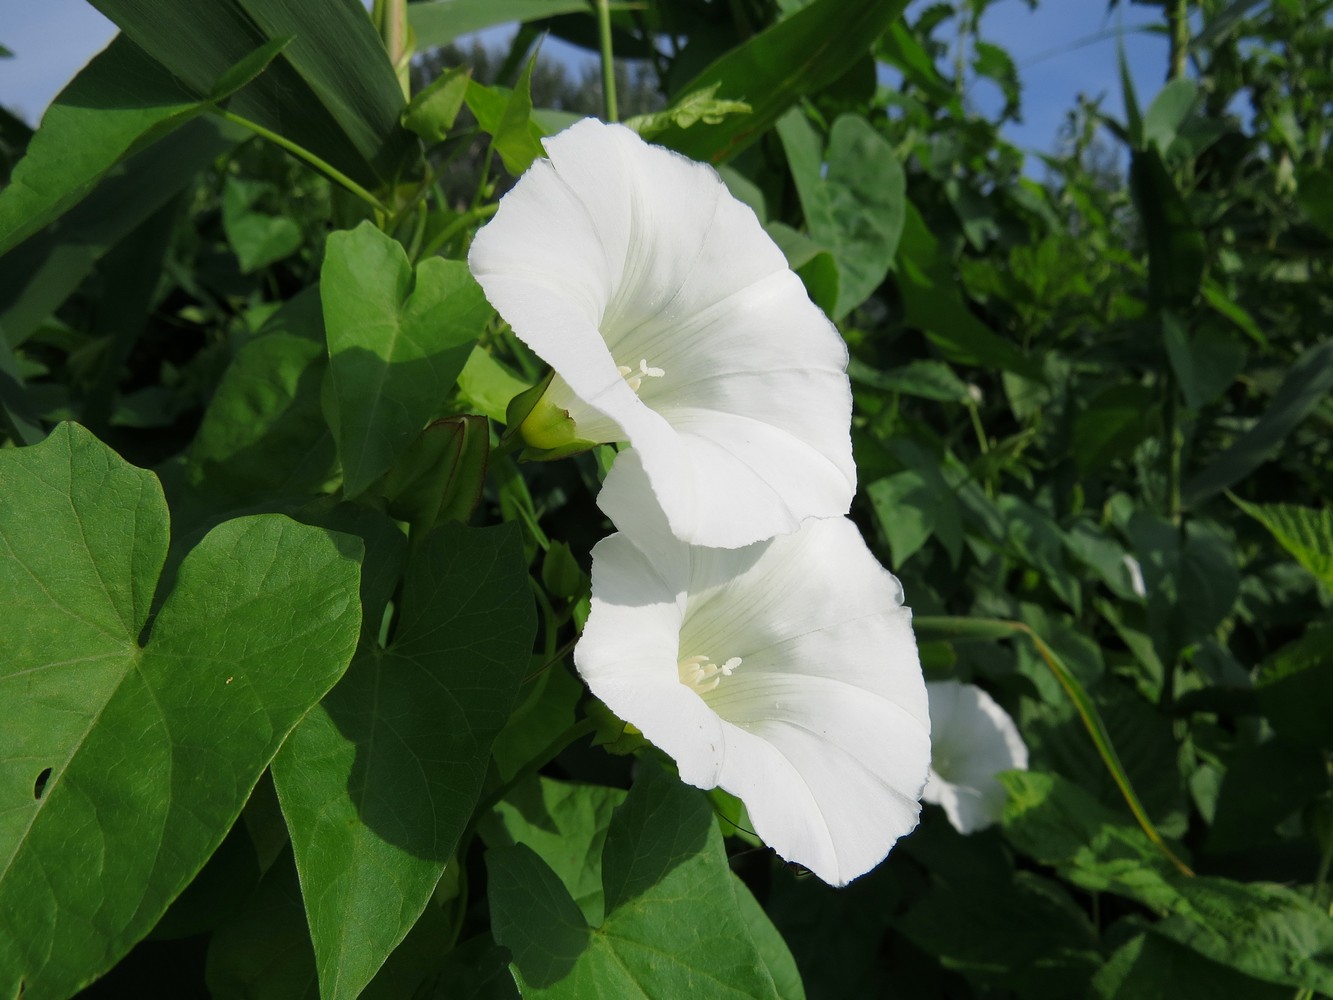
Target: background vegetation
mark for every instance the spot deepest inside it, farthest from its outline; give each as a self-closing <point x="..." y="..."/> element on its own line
<point x="1092" y="429"/>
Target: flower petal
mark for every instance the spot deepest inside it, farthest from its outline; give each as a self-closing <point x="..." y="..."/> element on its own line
<point x="974" y="739"/>
<point x="822" y="726"/>
<point x="615" y="256"/>
<point x="629" y="651"/>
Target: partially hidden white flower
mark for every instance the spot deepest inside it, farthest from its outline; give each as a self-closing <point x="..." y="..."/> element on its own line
<point x="785" y="672"/>
<point x="673" y="322"/>
<point x="973" y="739"/>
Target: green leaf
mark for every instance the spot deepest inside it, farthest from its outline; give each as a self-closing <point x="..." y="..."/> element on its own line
<point x="439" y="22"/>
<point x="813" y="264"/>
<point x="507" y="117"/>
<point x="1305" y="532"/>
<point x="263" y="952"/>
<point x="1266" y="931"/>
<point x="1306" y="385"/>
<point x="664" y="878"/>
<point x="565" y="825"/>
<point x="1055" y="822"/>
<point x="933" y="304"/>
<point x="698" y="106"/>
<point x="1176" y="249"/>
<point x="1205" y="365"/>
<point x="34" y="283"/>
<point x="1023" y="934"/>
<point x="924" y="378"/>
<point x="378" y="782"/>
<point x="119" y="102"/>
<point x="432" y="112"/>
<point x="397" y="341"/>
<point x="488" y="385"/>
<point x="1315" y="194"/>
<point x="148" y="751"/>
<point x="332" y="91"/>
<point x="1295" y="685"/>
<point x="777" y="67"/>
<point x="1191" y="575"/>
<point x="1168" y="110"/>
<point x="1152" y="967"/>
<point x="1112" y="424"/>
<point x="546" y="713"/>
<point x="855" y="205"/>
<point x="259" y="238"/>
<point x="263" y="432"/>
<point x="910" y="508"/>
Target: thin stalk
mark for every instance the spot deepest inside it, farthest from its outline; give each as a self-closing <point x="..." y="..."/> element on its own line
<point x="1174" y="445"/>
<point x="300" y="152"/>
<point x="457" y="226"/>
<point x="608" y="61"/>
<point x="1178" y="31"/>
<point x="1102" y="741"/>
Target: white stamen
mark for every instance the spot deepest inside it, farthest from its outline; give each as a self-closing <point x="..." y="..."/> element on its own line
<point x="702" y="674"/>
<point x="635" y="378"/>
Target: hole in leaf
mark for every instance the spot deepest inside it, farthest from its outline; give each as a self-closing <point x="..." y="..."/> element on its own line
<point x="39" y="785"/>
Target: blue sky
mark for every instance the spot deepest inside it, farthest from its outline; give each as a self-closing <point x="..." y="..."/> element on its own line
<point x="52" y="39"/>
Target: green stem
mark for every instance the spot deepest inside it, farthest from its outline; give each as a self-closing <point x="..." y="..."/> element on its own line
<point x="1178" y="29"/>
<point x="1102" y="741"/>
<point x="457" y="226"/>
<point x="608" y="61"/>
<point x="1174" y="441"/>
<point x="328" y="170"/>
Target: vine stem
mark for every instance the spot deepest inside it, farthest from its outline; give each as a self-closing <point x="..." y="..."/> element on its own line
<point x="457" y="226"/>
<point x="608" y="61"/>
<point x="327" y="169"/>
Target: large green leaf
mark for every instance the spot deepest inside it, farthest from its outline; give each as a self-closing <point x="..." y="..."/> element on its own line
<point x="332" y="92"/>
<point x="1306" y="385"/>
<point x="439" y="22"/>
<point x="119" y="102"/>
<point x="379" y="781"/>
<point x="777" y="67"/>
<point x="126" y="762"/>
<point x="855" y="206"/>
<point x="673" y="926"/>
<point x="397" y="341"/>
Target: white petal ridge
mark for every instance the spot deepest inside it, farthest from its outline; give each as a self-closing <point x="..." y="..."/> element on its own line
<point x="821" y="728"/>
<point x="613" y="256"/>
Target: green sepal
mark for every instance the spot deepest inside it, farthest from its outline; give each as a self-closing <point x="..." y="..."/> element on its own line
<point x="441" y="475"/>
<point x="547" y="430"/>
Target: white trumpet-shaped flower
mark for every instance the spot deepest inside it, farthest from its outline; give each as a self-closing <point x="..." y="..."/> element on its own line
<point x="973" y="739"/>
<point x="785" y="672"/>
<point x="672" y="322"/>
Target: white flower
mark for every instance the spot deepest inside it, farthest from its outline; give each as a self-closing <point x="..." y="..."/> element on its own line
<point x="672" y="322"/>
<point x="785" y="672"/>
<point x="973" y="739"/>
